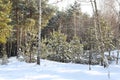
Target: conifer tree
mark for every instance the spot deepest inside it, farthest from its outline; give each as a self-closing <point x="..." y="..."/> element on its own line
<point x="23" y="11"/>
<point x="58" y="46"/>
<point x="5" y="28"/>
<point x="76" y="48"/>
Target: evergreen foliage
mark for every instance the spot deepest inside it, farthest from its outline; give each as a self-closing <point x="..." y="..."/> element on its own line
<point x="5" y="28"/>
<point x="76" y="49"/>
<point x="61" y="50"/>
<point x="58" y="45"/>
<point x="29" y="47"/>
<point x="107" y="35"/>
<point x="24" y="16"/>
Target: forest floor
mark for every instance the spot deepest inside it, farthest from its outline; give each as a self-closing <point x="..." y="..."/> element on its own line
<point x="50" y="70"/>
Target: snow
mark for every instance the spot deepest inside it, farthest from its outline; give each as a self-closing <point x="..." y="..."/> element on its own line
<point x="50" y="70"/>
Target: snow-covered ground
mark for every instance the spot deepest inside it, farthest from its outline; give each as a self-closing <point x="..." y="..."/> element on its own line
<point x="50" y="70"/>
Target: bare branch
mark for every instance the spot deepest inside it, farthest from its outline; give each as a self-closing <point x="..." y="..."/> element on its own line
<point x="57" y="1"/>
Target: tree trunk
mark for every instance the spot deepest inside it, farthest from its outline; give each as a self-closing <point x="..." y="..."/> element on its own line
<point x="4" y="58"/>
<point x="21" y="31"/>
<point x="109" y="51"/>
<point x="39" y="34"/>
<point x="30" y="58"/>
<point x="90" y="59"/>
<point x="10" y="46"/>
<point x="117" y="59"/>
<point x="18" y="31"/>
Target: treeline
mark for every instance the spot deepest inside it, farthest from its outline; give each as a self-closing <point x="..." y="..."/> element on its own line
<point x="67" y="36"/>
<point x="19" y="25"/>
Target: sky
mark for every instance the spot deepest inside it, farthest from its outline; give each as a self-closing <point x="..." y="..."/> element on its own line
<point x="85" y="7"/>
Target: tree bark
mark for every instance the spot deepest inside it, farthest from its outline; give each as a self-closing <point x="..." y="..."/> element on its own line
<point x="39" y="34"/>
<point x="117" y="59"/>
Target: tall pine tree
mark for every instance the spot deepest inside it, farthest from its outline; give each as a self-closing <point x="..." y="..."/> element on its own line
<point x="5" y="28"/>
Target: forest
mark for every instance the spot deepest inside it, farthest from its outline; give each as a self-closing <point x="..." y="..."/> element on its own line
<point x="32" y="30"/>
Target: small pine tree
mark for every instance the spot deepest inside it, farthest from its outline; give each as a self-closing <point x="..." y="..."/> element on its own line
<point x="58" y="46"/>
<point x="76" y="48"/>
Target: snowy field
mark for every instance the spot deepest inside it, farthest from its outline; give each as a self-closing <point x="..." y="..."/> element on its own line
<point x="49" y="70"/>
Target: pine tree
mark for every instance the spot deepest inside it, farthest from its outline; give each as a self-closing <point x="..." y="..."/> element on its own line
<point x="25" y="11"/>
<point x="5" y="28"/>
<point x="58" y="46"/>
<point x="76" y="49"/>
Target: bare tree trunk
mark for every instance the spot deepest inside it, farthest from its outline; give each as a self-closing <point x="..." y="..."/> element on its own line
<point x="101" y="46"/>
<point x="117" y="59"/>
<point x="95" y="22"/>
<point x="4" y="58"/>
<point x="109" y="51"/>
<point x="21" y="31"/>
<point x="18" y="31"/>
<point x="75" y="27"/>
<point x="10" y="46"/>
<point x="90" y="59"/>
<point x="30" y="58"/>
<point x="39" y="34"/>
